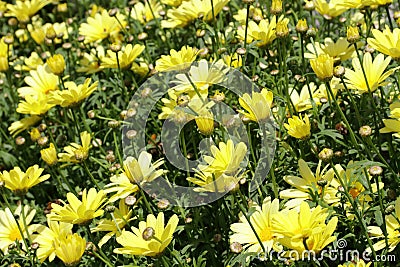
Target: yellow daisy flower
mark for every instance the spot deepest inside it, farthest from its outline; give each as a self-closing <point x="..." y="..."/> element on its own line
<point x="257" y="105"/>
<point x="392" y="228"/>
<point x="91" y="63"/>
<point x="79" y="212"/>
<point x="48" y="238"/>
<point x="177" y="60"/>
<point x="49" y="155"/>
<point x="74" y="94"/>
<point x="235" y="60"/>
<point x="23" y="124"/>
<point x="340" y="50"/>
<point x="125" y="57"/>
<point x="226" y="158"/>
<point x="261" y="219"/>
<point x="71" y="249"/>
<point x="150" y="238"/>
<point x="41" y="81"/>
<point x="305" y="226"/>
<point x="9" y="231"/>
<point x="330" y="10"/>
<point x="56" y="64"/>
<point x="263" y="32"/>
<point x="144" y="12"/>
<point x="308" y="184"/>
<point x="299" y="127"/>
<point x="121" y="216"/>
<point x="20" y="182"/>
<point x="142" y="170"/>
<point x="121" y="185"/>
<point x="76" y="153"/>
<point x="215" y="182"/>
<point x="102" y="26"/>
<point x="30" y="63"/>
<point x="386" y="42"/>
<point x="24" y="10"/>
<point x="302" y="101"/>
<point x="374" y="71"/>
<point x="241" y="16"/>
<point x="34" y="105"/>
<point x="323" y="67"/>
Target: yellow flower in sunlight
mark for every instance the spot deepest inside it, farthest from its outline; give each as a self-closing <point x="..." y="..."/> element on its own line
<point x="77" y="153"/>
<point x="49" y="238"/>
<point x="302" y="101"/>
<point x="91" y="63"/>
<point x="120" y="217"/>
<point x="23" y="124"/>
<point x="235" y="60"/>
<point x="392" y="228"/>
<point x="261" y="219"/>
<point x="386" y="42"/>
<point x="4" y="64"/>
<point x="49" y="155"/>
<point x="299" y="127"/>
<point x="142" y="170"/>
<point x="125" y="57"/>
<point x="24" y="10"/>
<point x="79" y="212"/>
<point x="352" y="34"/>
<point x="304" y="227"/>
<point x="41" y="81"/>
<point x="9" y="232"/>
<point x="374" y="71"/>
<point x="173" y="3"/>
<point x="20" y="182"/>
<point x="121" y="185"/>
<point x="393" y="125"/>
<point x="71" y="249"/>
<point x="177" y="60"/>
<point x="340" y="50"/>
<point x="34" y="105"/>
<point x="144" y="12"/>
<point x="323" y="67"/>
<point x="308" y="185"/>
<point x="56" y="64"/>
<point x="102" y="26"/>
<point x="215" y="182"/>
<point x="263" y="32"/>
<point x="191" y="10"/>
<point x="227" y="158"/>
<point x="330" y="10"/>
<point x="202" y="76"/>
<point x="355" y="263"/>
<point x="38" y="32"/>
<point x="257" y="105"/>
<point x="150" y="239"/>
<point x="205" y="123"/>
<point x="30" y="63"/>
<point x="74" y="94"/>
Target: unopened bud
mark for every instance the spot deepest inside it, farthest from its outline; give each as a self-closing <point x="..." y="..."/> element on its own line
<point x="236" y="247"/>
<point x="326" y="154"/>
<point x="375" y="170"/>
<point x="365" y="131"/>
<point x="339" y="71"/>
<point x="148" y="233"/>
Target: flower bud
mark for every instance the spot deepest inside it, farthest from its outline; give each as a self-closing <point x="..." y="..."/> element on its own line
<point x="236" y="247"/>
<point x="365" y="131"/>
<point x="301" y="26"/>
<point x="276" y="7"/>
<point x="51" y="33"/>
<point x="375" y="170"/>
<point x="56" y="64"/>
<point x="339" y="71"/>
<point x="148" y="233"/>
<point x="326" y="154"/>
<point x="352" y="34"/>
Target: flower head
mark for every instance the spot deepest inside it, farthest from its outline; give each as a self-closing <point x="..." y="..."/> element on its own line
<point x="74" y="94"/>
<point x="49" y="155"/>
<point x="141" y="170"/>
<point x="24" y="10"/>
<point x="9" y="231"/>
<point x="41" y="81"/>
<point x="56" y="64"/>
<point x="138" y="243"/>
<point x="20" y="182"/>
<point x="100" y="27"/>
<point x="261" y="219"/>
<point x="177" y="60"/>
<point x="323" y="67"/>
<point x="79" y="212"/>
<point x="71" y="249"/>
<point x="125" y="57"/>
<point x="374" y="72"/>
<point x="23" y="124"/>
<point x="386" y="42"/>
<point x="121" y="216"/>
<point x="257" y="105"/>
<point x="299" y="127"/>
<point x="77" y="153"/>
